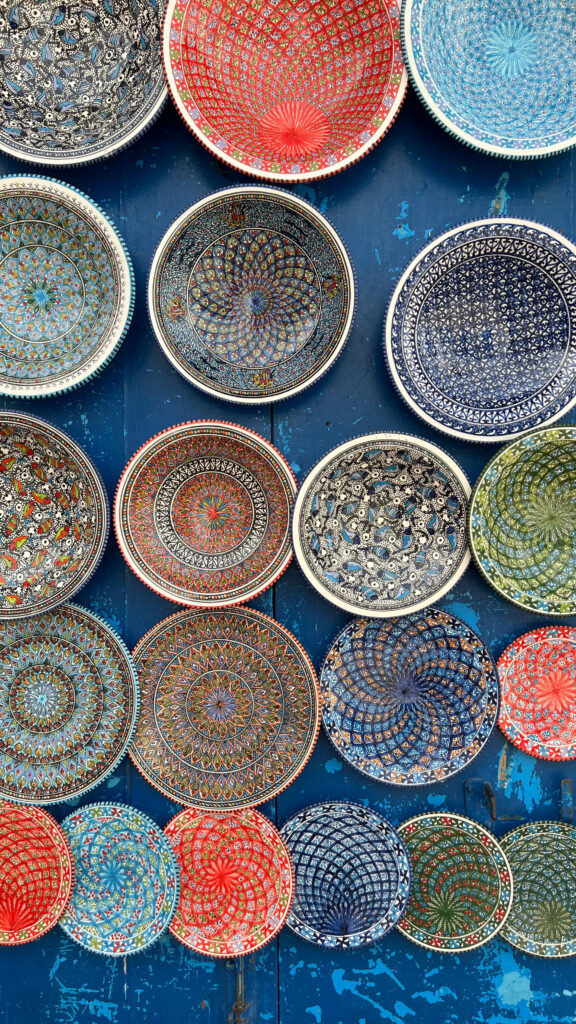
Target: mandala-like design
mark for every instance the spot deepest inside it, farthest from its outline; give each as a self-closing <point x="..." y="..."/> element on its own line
<point x="542" y="856"/>
<point x="411" y="700"/>
<point x="461" y="883"/>
<point x="42" y="296"/>
<point x="126" y="879"/>
<point x="236" y="881"/>
<point x="379" y="525"/>
<point x="78" y="82"/>
<point x="352" y="875"/>
<point x="229" y="708"/>
<point x="522" y="521"/>
<point x="251" y="294"/>
<point x="202" y="513"/>
<point x="484" y="71"/>
<point x="36" y="874"/>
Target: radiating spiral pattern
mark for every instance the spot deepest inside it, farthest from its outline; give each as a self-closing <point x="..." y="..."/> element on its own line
<point x="410" y="700"/>
<point x="352" y="875"/>
<point x="522" y="521"/>
<point x="126" y="886"/>
<point x="236" y="881"/>
<point x="461" y="883"/>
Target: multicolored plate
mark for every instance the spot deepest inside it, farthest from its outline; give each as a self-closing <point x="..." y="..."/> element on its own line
<point x="411" y="700"/>
<point x="202" y="513"/>
<point x="36" y="874"/>
<point x="461" y="883"/>
<point x="379" y="525"/>
<point x="542" y="856"/>
<point x="66" y="287"/>
<point x="522" y="521"/>
<point x="236" y="881"/>
<point x="53" y="519"/>
<point x="289" y="95"/>
<point x="479" y="335"/>
<point x="352" y="875"/>
<point x="251" y="294"/>
<point x="127" y="886"/>
<point x="498" y="76"/>
<point x="229" y="708"/>
<point x="78" y="82"/>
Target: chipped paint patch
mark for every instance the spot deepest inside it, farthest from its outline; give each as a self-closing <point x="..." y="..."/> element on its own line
<point x="333" y="766"/>
<point x="514" y="988"/>
<point x="522" y="779"/>
<point x="436" y="996"/>
<point x="403" y="229"/>
<point x="499" y="205"/>
<point x="436" y="799"/>
<point x="315" y="1012"/>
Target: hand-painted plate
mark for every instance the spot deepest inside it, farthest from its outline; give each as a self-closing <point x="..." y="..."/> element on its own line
<point x="229" y="708"/>
<point x="352" y="875"/>
<point x="542" y="856"/>
<point x="461" y="883"/>
<point x="289" y="95"/>
<point x="202" y="513"/>
<point x="36" y="874"/>
<point x="411" y="700"/>
<point x="480" y="330"/>
<point x="66" y="287"/>
<point x="126" y="888"/>
<point x="78" y="81"/>
<point x="522" y="521"/>
<point x="498" y="76"/>
<point x="236" y="881"/>
<point x="53" y="518"/>
<point x="251" y="294"/>
<point x="68" y="704"/>
<point x="379" y="525"/>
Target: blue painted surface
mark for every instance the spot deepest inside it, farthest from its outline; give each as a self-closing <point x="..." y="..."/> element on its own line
<point x="413" y="186"/>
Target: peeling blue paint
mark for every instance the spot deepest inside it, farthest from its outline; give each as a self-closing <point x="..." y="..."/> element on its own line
<point x="333" y="766"/>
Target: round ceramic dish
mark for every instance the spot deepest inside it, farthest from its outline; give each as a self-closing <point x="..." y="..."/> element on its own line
<point x="126" y="888"/>
<point x="66" y="288"/>
<point x="54" y="518"/>
<point x="352" y="875"/>
<point x="288" y="96"/>
<point x="202" y="513"/>
<point x="36" y="874"/>
<point x="461" y="883"/>
<point x="229" y="708"/>
<point x="542" y="856"/>
<point x="78" y="83"/>
<point x="411" y="700"/>
<point x="68" y="704"/>
<point x="499" y="77"/>
<point x="480" y="330"/>
<point x="251" y="294"/>
<point x="522" y="521"/>
<point x="236" y="881"/>
<point x="379" y="525"/>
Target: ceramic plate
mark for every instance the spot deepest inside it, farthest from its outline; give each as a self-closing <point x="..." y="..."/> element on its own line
<point x="251" y="294"/>
<point x="379" y="524"/>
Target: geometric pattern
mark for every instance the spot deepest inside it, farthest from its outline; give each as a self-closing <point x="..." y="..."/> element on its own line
<point x="229" y="708"/>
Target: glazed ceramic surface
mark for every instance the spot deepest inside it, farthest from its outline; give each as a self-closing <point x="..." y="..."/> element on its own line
<point x="78" y="82"/>
<point x="522" y="521"/>
<point x="288" y="96"/>
<point x="500" y="77"/>
<point x="251" y="294"/>
<point x="480" y="330"/>
<point x="379" y="524"/>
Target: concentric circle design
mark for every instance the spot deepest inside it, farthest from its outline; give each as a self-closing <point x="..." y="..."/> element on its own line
<point x="379" y="525"/>
<point x="461" y="883"/>
<point x="352" y="875"/>
<point x="229" y="708"/>
<point x="522" y="521"/>
<point x="236" y="881"/>
<point x="36" y="874"/>
<point x="126" y="887"/>
<point x="411" y="700"/>
<point x="542" y="856"/>
<point x="202" y="513"/>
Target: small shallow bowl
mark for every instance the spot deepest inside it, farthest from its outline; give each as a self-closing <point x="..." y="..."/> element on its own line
<point x="288" y="94"/>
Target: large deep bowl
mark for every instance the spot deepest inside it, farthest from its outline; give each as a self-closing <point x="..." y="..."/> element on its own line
<point x="287" y="92"/>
